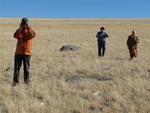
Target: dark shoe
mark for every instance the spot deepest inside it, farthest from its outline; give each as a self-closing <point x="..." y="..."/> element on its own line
<point x="131" y="58"/>
<point x="14" y="84"/>
<point x="27" y="82"/>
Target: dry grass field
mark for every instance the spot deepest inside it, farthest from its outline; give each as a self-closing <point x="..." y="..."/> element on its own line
<point x="76" y="82"/>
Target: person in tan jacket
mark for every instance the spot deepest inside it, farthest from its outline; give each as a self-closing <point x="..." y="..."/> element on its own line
<point x="24" y="36"/>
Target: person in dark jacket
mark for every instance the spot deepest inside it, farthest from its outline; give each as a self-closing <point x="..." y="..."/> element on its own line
<point x="101" y="39"/>
<point x="24" y="35"/>
<point x="132" y="44"/>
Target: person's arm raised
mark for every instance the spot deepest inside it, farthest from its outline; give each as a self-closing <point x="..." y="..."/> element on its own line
<point x="18" y="34"/>
<point x="31" y="33"/>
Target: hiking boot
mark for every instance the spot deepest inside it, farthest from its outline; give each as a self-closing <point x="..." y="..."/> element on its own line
<point x="14" y="84"/>
<point x="27" y="82"/>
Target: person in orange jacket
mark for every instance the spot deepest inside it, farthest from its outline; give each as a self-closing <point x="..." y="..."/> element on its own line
<point x="24" y="36"/>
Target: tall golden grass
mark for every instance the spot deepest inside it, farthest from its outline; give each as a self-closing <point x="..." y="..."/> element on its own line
<point x="49" y="92"/>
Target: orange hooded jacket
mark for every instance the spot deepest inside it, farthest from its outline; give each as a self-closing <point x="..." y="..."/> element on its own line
<point x="24" y="44"/>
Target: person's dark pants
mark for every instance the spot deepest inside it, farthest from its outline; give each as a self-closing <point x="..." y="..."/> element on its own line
<point x="133" y="52"/>
<point x="18" y="62"/>
<point x="101" y="48"/>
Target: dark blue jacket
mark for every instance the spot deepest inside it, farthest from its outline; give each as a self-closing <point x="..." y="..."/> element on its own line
<point x="101" y="36"/>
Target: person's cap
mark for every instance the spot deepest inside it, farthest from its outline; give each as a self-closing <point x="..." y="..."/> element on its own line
<point x="24" y="19"/>
<point x="134" y="31"/>
<point x="102" y="28"/>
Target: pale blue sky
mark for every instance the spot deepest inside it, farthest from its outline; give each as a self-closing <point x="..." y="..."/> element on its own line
<point x="75" y="8"/>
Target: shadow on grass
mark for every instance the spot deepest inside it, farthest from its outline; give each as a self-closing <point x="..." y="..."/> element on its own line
<point x="80" y="78"/>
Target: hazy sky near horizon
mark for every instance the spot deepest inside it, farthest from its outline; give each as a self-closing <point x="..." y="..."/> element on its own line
<point x="75" y="8"/>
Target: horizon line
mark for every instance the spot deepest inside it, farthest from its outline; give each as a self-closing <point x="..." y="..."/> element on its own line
<point x="76" y="18"/>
